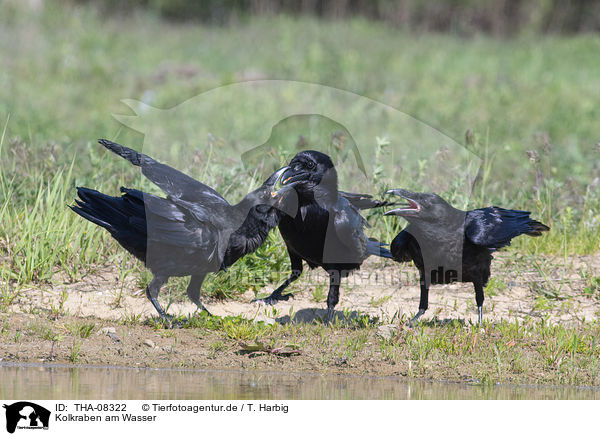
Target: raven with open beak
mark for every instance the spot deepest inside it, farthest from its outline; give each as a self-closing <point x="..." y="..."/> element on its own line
<point x="449" y="245"/>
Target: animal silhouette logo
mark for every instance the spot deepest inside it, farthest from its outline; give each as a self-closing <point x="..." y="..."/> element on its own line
<point x="26" y="415"/>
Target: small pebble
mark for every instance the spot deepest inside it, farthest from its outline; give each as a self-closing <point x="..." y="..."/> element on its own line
<point x="110" y="332"/>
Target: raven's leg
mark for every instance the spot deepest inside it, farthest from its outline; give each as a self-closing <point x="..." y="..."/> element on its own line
<point x="193" y="291"/>
<point x="334" y="293"/>
<point x="296" y="262"/>
<point x="423" y="302"/>
<point x="152" y="291"/>
<point x="479" y="299"/>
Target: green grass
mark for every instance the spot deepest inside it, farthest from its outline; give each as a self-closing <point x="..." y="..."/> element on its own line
<point x="75" y="353"/>
<point x="82" y="329"/>
<point x="592" y="288"/>
<point x="500" y="352"/>
<point x="511" y="95"/>
<point x="377" y="302"/>
<point x="318" y="294"/>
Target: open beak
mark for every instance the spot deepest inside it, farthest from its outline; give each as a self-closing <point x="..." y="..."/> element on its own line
<point x="412" y="208"/>
<point x="284" y="179"/>
<point x="277" y="188"/>
<point x="278" y="191"/>
<point x="292" y="177"/>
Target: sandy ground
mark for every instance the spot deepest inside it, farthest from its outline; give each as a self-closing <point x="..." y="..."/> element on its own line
<point x="378" y="289"/>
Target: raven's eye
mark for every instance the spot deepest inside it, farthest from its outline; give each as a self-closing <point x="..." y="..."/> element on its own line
<point x="310" y="164"/>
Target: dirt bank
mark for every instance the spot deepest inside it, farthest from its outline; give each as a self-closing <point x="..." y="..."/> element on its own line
<point x="97" y="321"/>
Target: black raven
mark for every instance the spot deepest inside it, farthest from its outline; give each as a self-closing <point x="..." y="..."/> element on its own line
<point x="193" y="231"/>
<point x="444" y="242"/>
<point x="327" y="230"/>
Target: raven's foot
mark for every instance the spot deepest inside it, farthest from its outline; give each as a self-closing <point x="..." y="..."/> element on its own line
<point x="201" y="308"/>
<point x="271" y="300"/>
<point x="169" y="321"/>
<point x="175" y="324"/>
<point x="413" y="321"/>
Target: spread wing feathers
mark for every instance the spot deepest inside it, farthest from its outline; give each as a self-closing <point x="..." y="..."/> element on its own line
<point x="494" y="227"/>
<point x="174" y="183"/>
<point x="168" y="223"/>
<point x="364" y="201"/>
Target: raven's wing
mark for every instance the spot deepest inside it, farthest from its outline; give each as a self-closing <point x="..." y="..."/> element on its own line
<point x="364" y="201"/>
<point x="174" y="183"/>
<point x="494" y="227"/>
<point x="169" y="223"/>
<point x="348" y="224"/>
<point x="400" y="246"/>
<point x="349" y="228"/>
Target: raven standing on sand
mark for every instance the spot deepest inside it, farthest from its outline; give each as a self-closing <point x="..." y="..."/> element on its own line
<point x="444" y="242"/>
<point x="327" y="230"/>
<point x="193" y="231"/>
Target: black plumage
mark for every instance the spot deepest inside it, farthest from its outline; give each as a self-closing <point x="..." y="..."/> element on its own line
<point x="193" y="231"/>
<point x="449" y="245"/>
<point x="327" y="230"/>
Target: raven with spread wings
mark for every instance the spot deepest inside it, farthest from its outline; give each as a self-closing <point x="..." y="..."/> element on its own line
<point x="191" y="232"/>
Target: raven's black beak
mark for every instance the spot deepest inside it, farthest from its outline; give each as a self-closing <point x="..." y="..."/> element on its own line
<point x="290" y="176"/>
<point x="412" y="208"/>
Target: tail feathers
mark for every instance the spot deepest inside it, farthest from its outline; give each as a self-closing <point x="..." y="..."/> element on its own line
<point x="87" y="207"/>
<point x="84" y="211"/>
<point x="376" y="248"/>
<point x="124" y="217"/>
<point x="112" y="213"/>
<point x="537" y="228"/>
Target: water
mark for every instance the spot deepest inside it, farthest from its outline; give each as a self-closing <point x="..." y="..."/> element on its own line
<point x="27" y="381"/>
